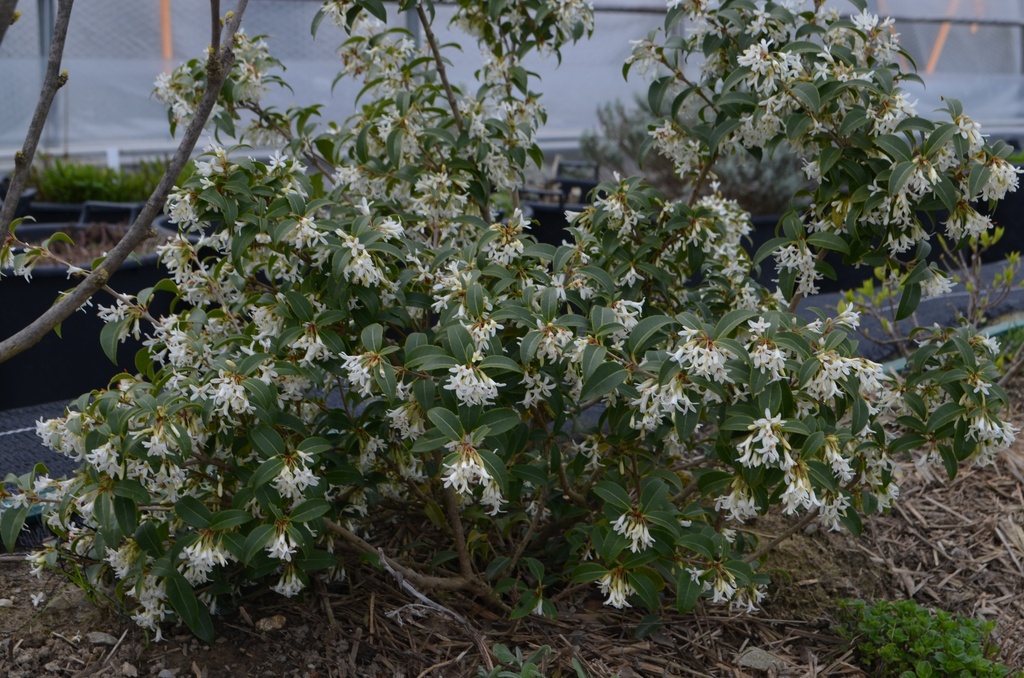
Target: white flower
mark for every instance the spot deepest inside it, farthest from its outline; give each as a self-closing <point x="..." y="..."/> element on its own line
<point x="967" y="223"/>
<point x="508" y="246"/>
<point x="767" y="432"/>
<point x="798" y="491"/>
<point x="539" y="386"/>
<point x="294" y="478"/>
<point x="739" y="503"/>
<point x="283" y="546"/>
<point x="633" y="526"/>
<point x="800" y="259"/>
<point x="937" y="285"/>
<point x="201" y="557"/>
<point x="614" y="585"/>
<point x="361" y="267"/>
<point x="472" y="386"/>
<point x="700" y="354"/>
<point x="1003" y="180"/>
<point x="37" y="598"/>
<point x="290" y="584"/>
<point x="106" y="460"/>
<point x="467" y="469"/>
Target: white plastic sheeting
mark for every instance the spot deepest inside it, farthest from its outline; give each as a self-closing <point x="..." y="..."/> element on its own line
<point x="114" y="52"/>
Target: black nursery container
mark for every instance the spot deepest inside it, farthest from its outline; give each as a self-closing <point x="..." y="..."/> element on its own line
<point x="66" y="366"/>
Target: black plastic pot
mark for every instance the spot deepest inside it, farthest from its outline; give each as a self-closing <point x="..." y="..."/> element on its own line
<point x="576" y="179"/>
<point x="847" y="276"/>
<point x="88" y="212"/>
<point x="24" y="202"/>
<point x="73" y="363"/>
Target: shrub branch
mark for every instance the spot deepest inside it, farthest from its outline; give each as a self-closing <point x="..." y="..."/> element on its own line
<point x="7" y="8"/>
<point x="219" y="66"/>
<point x="53" y="80"/>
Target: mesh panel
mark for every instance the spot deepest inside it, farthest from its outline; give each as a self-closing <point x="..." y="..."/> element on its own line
<point x="962" y="47"/>
<point x="115" y="49"/>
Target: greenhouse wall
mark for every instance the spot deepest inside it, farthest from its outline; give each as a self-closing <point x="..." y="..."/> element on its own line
<point x="971" y="50"/>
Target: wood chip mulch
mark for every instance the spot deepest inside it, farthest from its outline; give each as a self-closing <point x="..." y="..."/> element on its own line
<point x="955" y="545"/>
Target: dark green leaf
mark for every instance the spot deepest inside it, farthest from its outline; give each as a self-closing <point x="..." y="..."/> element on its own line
<point x="225" y="520"/>
<point x="256" y="541"/>
<point x="605" y="379"/>
<point x="584" y="573"/>
<point x="909" y="300"/>
<point x="126" y="514"/>
<point x="447" y="422"/>
<point x="614" y="494"/>
<point x="944" y="415"/>
<point x="267" y="471"/>
<point x="267" y="441"/>
<point x="309" y="509"/>
<point x="11" y="523"/>
<point x="193" y="512"/>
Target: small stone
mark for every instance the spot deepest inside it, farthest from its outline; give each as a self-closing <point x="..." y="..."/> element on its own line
<point x="274" y="623"/>
<point x="129" y="670"/>
<point x="100" y="638"/>
<point x="167" y="673"/>
<point x="760" y="660"/>
<point x="66" y="600"/>
<point x="6" y="602"/>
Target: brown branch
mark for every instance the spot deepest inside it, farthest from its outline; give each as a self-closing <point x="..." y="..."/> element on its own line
<point x="572" y="494"/>
<point x="786" y="534"/>
<point x="530" y="531"/>
<point x="218" y="67"/>
<point x="214" y="26"/>
<point x="442" y="72"/>
<point x="454" y="583"/>
<point x="52" y="81"/>
<point x="428" y="31"/>
<point x="458" y="531"/>
<point x="7" y="8"/>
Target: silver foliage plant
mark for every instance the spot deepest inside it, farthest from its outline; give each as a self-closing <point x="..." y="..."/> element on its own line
<point x="361" y="346"/>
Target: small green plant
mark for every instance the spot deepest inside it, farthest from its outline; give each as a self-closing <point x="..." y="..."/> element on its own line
<point x="514" y="665"/>
<point x="58" y="181"/>
<point x="904" y="639"/>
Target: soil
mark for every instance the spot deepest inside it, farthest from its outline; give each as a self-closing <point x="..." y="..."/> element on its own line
<point x="92" y="241"/>
<point x="954" y="545"/>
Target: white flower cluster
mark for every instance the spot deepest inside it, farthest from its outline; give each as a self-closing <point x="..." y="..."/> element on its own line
<point x="508" y="246"/>
<point x="633" y="526"/>
<point x="615" y="585"/>
<point x="700" y="355"/>
<point x="471" y="385"/>
<point x="182" y="89"/>
<point x="465" y="470"/>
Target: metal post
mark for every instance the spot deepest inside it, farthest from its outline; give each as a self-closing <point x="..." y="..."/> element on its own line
<point x="47" y="19"/>
<point x="412" y="23"/>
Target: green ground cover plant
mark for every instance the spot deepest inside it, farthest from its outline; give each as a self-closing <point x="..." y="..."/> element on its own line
<point x="908" y="640"/>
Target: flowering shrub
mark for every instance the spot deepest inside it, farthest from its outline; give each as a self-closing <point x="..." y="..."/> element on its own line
<point x="363" y="343"/>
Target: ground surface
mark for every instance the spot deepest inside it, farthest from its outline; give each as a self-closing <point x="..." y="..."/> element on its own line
<point x="954" y="545"/>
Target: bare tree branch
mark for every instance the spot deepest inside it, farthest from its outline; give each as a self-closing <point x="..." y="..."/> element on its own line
<point x="215" y="25"/>
<point x="441" y="70"/>
<point x="7" y="8"/>
<point x="218" y="68"/>
<point x="472" y="585"/>
<point x="52" y="81"/>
